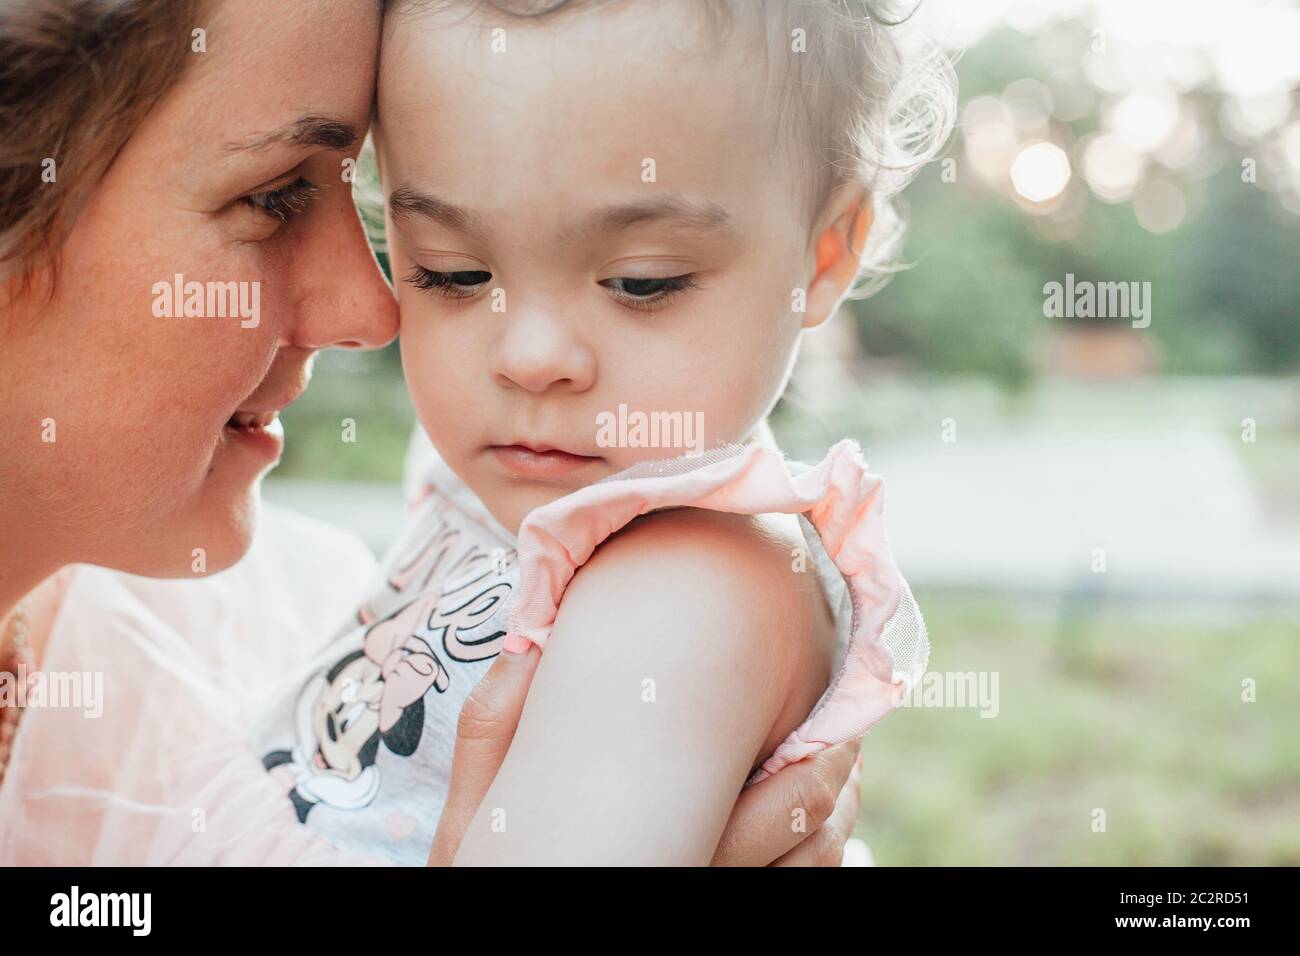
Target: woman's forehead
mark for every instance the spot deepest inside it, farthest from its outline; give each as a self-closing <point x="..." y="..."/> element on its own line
<point x="262" y="66"/>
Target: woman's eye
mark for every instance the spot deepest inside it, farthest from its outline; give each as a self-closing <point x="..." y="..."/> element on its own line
<point x="453" y="285"/>
<point x="285" y="202"/>
<point x="648" y="294"/>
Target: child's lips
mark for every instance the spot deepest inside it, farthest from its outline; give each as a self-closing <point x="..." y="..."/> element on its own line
<point x="526" y="461"/>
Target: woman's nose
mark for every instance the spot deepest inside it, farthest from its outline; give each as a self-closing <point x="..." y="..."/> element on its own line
<point x="536" y="352"/>
<point x="343" y="300"/>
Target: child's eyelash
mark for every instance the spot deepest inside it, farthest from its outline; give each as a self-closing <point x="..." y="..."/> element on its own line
<point x="285" y="202"/>
<point x="647" y="295"/>
<point x="453" y="285"/>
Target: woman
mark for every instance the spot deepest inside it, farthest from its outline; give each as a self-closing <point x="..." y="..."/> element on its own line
<point x="151" y="151"/>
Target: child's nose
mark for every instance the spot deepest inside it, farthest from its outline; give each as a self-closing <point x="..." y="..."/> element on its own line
<point x="537" y="352"/>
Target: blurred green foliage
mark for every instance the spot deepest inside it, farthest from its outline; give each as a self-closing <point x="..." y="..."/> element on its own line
<point x="1226" y="282"/>
<point x="366" y="389"/>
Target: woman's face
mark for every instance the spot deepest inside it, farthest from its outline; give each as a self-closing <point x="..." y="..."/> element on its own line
<point x="238" y="180"/>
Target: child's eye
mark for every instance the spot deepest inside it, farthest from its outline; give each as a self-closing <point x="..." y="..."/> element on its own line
<point x="285" y="202"/>
<point x="453" y="285"/>
<point x="648" y="294"/>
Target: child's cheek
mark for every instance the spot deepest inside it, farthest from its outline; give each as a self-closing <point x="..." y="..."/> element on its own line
<point x="426" y="378"/>
<point x="746" y="381"/>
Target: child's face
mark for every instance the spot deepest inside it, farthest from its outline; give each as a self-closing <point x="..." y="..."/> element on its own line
<point x="548" y="187"/>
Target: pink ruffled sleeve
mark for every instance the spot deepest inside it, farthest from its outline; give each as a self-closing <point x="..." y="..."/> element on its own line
<point x="887" y="650"/>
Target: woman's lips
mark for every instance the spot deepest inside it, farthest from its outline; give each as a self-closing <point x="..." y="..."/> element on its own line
<point x="252" y="419"/>
<point x="526" y="462"/>
<point x="257" y="427"/>
<point x="260" y="432"/>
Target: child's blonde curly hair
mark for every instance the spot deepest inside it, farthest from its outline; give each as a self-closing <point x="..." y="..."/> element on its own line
<point x="870" y="94"/>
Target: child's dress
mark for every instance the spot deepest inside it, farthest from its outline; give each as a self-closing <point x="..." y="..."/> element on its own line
<point x="352" y="749"/>
<point x="362" y="741"/>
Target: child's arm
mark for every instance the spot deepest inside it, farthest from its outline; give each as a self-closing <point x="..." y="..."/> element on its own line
<point x="669" y="671"/>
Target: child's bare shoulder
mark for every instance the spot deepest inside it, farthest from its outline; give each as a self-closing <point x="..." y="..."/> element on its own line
<point x="737" y="590"/>
<point x="752" y="559"/>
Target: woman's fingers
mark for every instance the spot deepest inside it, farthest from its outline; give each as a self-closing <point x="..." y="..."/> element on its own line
<point x="790" y="809"/>
<point x="487" y="724"/>
<point x="829" y="845"/>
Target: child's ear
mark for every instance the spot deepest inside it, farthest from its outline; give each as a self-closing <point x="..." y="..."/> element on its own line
<point x="836" y="254"/>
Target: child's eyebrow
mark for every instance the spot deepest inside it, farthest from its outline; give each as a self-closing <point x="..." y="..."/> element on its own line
<point x="670" y="210"/>
<point x="406" y="202"/>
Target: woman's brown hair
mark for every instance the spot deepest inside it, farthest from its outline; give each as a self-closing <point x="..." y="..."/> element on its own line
<point x="76" y="79"/>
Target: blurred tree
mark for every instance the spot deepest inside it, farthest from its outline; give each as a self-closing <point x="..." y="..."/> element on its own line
<point x="1225" y="282"/>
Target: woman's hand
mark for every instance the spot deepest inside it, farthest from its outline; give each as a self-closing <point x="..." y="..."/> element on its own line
<point x="487" y="723"/>
<point x="824" y="786"/>
<point x="758" y="833"/>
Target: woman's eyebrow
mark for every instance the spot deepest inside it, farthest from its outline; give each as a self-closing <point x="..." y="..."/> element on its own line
<point x="309" y="131"/>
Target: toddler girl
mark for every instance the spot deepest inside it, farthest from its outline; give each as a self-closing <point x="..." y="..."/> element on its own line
<point x="610" y="224"/>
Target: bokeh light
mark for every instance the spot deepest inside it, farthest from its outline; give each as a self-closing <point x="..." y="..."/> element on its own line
<point x="1041" y="172"/>
<point x="1112" y="167"/>
<point x="990" y="136"/>
<point x="1160" y="207"/>
<point x="1144" y="119"/>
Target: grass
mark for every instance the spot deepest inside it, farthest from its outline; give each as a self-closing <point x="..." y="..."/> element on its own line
<point x="1135" y="712"/>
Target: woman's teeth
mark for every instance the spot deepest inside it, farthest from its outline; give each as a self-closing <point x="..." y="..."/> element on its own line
<point x="252" y="419"/>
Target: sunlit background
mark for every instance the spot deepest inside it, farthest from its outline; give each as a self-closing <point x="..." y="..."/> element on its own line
<point x="1104" y="518"/>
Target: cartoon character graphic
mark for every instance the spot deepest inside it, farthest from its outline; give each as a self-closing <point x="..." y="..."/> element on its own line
<point x="374" y="696"/>
<point x="370" y="697"/>
<point x="433" y="556"/>
<point x="439" y="554"/>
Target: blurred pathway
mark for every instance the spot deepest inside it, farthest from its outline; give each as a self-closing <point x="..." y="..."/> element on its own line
<point x="1162" y="498"/>
<point x="1175" y="514"/>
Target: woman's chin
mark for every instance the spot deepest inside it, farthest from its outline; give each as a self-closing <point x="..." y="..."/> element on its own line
<point x="228" y="534"/>
<point x="224" y="511"/>
<point x="212" y="537"/>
